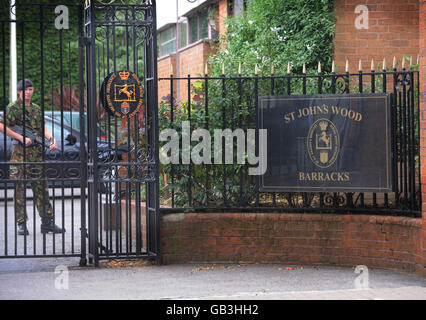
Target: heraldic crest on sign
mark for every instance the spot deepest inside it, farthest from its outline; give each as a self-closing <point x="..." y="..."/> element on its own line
<point x="323" y="143"/>
<point x="122" y="94"/>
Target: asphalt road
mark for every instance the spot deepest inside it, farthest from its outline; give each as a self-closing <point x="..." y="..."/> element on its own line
<point x="62" y="278"/>
<point x="52" y="279"/>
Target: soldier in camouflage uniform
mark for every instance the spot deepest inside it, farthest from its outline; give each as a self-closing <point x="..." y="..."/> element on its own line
<point x="24" y="150"/>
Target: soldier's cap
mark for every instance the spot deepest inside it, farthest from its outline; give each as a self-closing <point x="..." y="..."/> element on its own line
<point x="28" y="83"/>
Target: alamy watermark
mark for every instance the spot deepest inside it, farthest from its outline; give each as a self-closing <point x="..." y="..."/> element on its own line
<point x="62" y="20"/>
<point x="361" y="21"/>
<point x="362" y="281"/>
<point x="223" y="147"/>
<point x="62" y="280"/>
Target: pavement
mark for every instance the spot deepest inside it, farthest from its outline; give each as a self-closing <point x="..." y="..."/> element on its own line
<point x="63" y="279"/>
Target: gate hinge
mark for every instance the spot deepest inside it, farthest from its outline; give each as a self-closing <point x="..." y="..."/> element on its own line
<point x="83" y="41"/>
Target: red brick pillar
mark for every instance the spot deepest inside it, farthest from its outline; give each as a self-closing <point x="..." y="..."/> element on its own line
<point x="223" y="15"/>
<point x="422" y="62"/>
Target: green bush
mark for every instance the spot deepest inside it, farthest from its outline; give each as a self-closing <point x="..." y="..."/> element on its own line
<point x="278" y="32"/>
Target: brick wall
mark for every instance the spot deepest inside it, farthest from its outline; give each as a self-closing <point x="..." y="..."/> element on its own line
<point x="315" y="239"/>
<point x="223" y="13"/>
<point x="192" y="59"/>
<point x="393" y="30"/>
<point x="193" y="56"/>
<point x="164" y="71"/>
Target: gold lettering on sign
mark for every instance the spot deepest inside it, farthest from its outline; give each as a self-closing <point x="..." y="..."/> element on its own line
<point x="322" y="110"/>
<point x="325" y="176"/>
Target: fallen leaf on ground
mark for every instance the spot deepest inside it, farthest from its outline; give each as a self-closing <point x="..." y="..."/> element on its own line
<point x="126" y="263"/>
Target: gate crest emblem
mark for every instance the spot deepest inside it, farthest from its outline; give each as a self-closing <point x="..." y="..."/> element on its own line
<point x="122" y="94"/>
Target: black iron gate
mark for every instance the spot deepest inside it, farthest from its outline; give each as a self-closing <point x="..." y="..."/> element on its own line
<point x="47" y="53"/>
<point x="123" y="193"/>
<point x="103" y="179"/>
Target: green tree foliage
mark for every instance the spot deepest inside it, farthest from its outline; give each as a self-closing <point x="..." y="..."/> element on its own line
<point x="44" y="54"/>
<point x="278" y="32"/>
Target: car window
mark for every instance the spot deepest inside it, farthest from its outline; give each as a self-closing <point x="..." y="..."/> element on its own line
<point x="55" y="130"/>
<point x="72" y="120"/>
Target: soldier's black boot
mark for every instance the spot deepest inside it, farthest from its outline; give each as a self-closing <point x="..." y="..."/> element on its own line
<point x="47" y="225"/>
<point x="22" y="229"/>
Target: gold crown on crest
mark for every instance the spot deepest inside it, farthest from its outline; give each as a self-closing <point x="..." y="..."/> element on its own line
<point x="124" y="75"/>
<point x="323" y="125"/>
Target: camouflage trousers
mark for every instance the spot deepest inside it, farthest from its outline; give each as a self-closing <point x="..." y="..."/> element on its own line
<point x="33" y="172"/>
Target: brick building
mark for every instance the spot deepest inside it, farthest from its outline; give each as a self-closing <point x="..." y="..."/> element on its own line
<point x="195" y="37"/>
<point x="392" y="31"/>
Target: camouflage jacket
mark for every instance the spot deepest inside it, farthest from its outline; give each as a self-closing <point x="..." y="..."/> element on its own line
<point x="14" y="115"/>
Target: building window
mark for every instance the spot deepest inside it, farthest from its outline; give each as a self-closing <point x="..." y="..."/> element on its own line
<point x="167" y="41"/>
<point x="202" y="26"/>
<point x="183" y="34"/>
<point x="193" y="29"/>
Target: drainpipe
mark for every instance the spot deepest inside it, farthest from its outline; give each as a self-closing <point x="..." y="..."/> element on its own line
<point x="177" y="52"/>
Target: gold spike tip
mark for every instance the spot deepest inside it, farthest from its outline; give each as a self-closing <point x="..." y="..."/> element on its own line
<point x="403" y="63"/>
<point x="384" y="64"/>
<point x="360" y="65"/>
<point x="332" y="66"/>
<point x="255" y="69"/>
<point x="417" y="60"/>
<point x="272" y="69"/>
<point x="319" y="67"/>
<point x="288" y="68"/>
<point x="171" y="69"/>
<point x="239" y="68"/>
<point x="372" y="65"/>
<point x="347" y="65"/>
<point x="304" y="68"/>
<point x="206" y="70"/>
<point x="394" y="63"/>
<point x="223" y="68"/>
